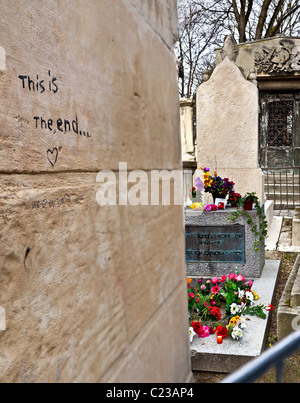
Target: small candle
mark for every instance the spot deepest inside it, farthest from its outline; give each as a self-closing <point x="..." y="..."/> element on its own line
<point x="220" y="339"/>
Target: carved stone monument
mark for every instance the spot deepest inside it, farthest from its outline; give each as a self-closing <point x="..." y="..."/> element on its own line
<point x="227" y="128"/>
<point x="230" y="48"/>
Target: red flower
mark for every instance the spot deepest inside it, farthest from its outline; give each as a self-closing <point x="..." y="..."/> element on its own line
<point x="212" y="330"/>
<point x="197" y="327"/>
<point x="270" y="308"/>
<point x="201" y="331"/>
<point x="222" y="331"/>
<point x="215" y="311"/>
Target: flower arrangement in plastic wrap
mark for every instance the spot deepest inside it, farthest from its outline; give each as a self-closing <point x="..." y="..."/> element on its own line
<point x="194" y="199"/>
<point x="216" y="306"/>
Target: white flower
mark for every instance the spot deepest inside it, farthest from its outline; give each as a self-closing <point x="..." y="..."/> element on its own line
<point x="242" y="307"/>
<point x="249" y="296"/>
<point x="234" y="309"/>
<point x="237" y="333"/>
<point x="192" y="334"/>
<point x="241" y="293"/>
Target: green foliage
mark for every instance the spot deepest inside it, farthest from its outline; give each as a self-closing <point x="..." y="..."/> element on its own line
<point x="260" y="233"/>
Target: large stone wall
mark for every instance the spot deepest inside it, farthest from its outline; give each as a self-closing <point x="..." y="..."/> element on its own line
<point x="91" y="293"/>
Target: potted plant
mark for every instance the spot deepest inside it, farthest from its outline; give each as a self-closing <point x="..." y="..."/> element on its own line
<point x="260" y="231"/>
<point x="249" y="200"/>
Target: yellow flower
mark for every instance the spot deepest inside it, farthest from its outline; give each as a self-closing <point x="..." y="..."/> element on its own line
<point x="197" y="206"/>
<point x="234" y="320"/>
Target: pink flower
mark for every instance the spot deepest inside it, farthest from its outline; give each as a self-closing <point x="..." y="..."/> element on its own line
<point x="207" y="207"/>
<point x="232" y="276"/>
<point x="191" y="295"/>
<point x="215" y="280"/>
<point x="240" y="278"/>
<point x="213" y="303"/>
<point x="205" y="304"/>
<point x="215" y="290"/>
<point x="203" y="287"/>
<point x="224" y="278"/>
<point x="250" y="283"/>
<point x="198" y="300"/>
<point x="204" y="332"/>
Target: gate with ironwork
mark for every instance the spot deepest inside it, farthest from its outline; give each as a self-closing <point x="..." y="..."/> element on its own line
<point x="279" y="147"/>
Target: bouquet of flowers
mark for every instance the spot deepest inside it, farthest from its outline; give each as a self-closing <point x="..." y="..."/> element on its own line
<point x="216" y="306"/>
<point x="216" y="185"/>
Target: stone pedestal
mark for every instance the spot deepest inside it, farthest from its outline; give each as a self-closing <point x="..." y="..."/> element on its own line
<point x="296" y="228"/>
<point x="215" y="247"/>
<point x="187" y="129"/>
<point x="208" y="356"/>
<point x="288" y="313"/>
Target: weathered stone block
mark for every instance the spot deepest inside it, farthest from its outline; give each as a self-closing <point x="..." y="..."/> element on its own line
<point x="85" y="287"/>
<point x="288" y="309"/>
<point x="253" y="262"/>
<point x="227" y="128"/>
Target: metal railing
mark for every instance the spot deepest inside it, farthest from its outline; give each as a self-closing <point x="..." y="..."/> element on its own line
<point x="282" y="185"/>
<point x="274" y="357"/>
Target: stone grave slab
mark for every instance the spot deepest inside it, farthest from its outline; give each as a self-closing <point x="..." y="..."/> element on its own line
<point x="208" y="356"/>
<point x="214" y="246"/>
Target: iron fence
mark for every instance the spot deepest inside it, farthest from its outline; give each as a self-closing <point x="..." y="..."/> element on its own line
<point x="274" y="357"/>
<point x="282" y="185"/>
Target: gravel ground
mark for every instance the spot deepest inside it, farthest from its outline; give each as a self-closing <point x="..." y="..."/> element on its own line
<point x="292" y="366"/>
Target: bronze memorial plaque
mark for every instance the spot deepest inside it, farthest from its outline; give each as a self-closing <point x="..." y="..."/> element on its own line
<point x="215" y="244"/>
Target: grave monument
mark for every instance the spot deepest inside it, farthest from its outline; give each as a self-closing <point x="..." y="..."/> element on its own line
<point x="227" y="141"/>
<point x="227" y="125"/>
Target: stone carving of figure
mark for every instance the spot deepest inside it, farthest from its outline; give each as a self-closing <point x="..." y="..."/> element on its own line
<point x="230" y="48"/>
<point x="274" y="60"/>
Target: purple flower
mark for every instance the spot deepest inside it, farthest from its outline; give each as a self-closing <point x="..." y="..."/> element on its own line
<point x="199" y="185"/>
<point x="207" y="207"/>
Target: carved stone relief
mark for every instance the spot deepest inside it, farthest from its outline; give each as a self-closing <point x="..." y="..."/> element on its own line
<point x="230" y="48"/>
<point x="274" y="60"/>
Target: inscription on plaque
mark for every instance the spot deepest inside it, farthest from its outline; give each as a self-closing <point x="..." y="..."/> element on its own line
<point x="215" y="244"/>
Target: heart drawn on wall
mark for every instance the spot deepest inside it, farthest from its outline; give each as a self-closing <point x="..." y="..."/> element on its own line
<point x="52" y="156"/>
